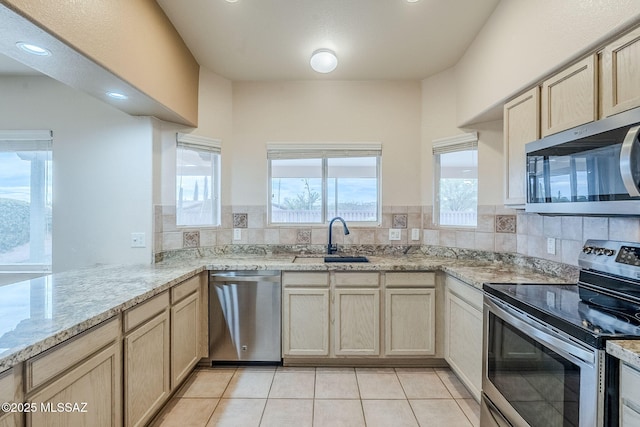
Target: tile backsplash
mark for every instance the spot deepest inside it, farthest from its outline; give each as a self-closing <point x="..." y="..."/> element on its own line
<point x="498" y="229"/>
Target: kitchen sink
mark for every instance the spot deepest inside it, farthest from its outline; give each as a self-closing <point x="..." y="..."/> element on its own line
<point x="328" y="258"/>
<point x="346" y="259"/>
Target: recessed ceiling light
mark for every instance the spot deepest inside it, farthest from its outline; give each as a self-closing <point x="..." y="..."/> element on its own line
<point x="117" y="95"/>
<point x="232" y="1"/>
<point x="323" y="61"/>
<point x="413" y="1"/>
<point x="33" y="49"/>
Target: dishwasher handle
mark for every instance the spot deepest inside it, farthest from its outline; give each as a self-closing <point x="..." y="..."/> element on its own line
<point x="245" y="276"/>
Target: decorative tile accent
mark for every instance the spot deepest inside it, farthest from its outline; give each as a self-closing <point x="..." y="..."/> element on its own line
<point x="240" y="220"/>
<point x="505" y="223"/>
<point x="399" y="220"/>
<point x="190" y="239"/>
<point x="303" y="237"/>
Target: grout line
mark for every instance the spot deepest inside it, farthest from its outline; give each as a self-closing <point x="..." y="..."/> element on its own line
<point x="464" y="413"/>
<point x="415" y="417"/>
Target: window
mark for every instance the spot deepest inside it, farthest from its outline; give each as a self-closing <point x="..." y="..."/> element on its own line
<point x="25" y="200"/>
<point x="456" y="181"/>
<point x="197" y="181"/>
<point x="310" y="184"/>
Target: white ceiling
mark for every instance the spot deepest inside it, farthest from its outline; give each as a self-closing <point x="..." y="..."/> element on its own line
<point x="373" y="39"/>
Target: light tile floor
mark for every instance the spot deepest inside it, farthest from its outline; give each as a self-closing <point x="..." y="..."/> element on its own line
<point x="318" y="397"/>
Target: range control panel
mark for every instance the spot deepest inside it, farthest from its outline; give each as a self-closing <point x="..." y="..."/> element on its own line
<point x="620" y="258"/>
<point x="629" y="255"/>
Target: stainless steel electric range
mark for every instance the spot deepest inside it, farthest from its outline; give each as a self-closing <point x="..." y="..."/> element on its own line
<point x="545" y="363"/>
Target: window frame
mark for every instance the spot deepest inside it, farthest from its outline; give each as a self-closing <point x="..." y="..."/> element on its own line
<point x="214" y="146"/>
<point x="31" y="140"/>
<point x="280" y="151"/>
<point x="463" y="142"/>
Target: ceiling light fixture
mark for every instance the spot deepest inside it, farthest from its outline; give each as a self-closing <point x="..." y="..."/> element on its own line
<point x="33" y="49"/>
<point x="323" y="61"/>
<point x="117" y="95"/>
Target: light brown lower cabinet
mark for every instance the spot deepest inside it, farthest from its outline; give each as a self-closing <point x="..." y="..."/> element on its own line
<point x="87" y="395"/>
<point x="146" y="369"/>
<point x="185" y="337"/>
<point x="305" y="322"/>
<point x="11" y="391"/>
<point x="357" y="322"/>
<point x="409" y="322"/>
<point x="463" y="333"/>
<point x="363" y="314"/>
<point x="629" y="396"/>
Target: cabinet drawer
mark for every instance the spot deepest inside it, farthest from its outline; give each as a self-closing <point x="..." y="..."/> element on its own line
<point x="185" y="288"/>
<point x="46" y="366"/>
<point x="465" y="292"/>
<point x="305" y="279"/>
<point x="630" y="384"/>
<point x="410" y="280"/>
<point x="141" y="313"/>
<point x="368" y="279"/>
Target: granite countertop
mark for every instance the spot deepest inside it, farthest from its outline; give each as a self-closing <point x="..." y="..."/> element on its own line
<point x="39" y="313"/>
<point x="626" y="350"/>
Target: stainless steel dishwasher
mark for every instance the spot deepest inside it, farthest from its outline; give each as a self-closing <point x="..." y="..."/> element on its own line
<point x="244" y="316"/>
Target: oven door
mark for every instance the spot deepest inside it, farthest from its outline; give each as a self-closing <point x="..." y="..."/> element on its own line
<point x="534" y="375"/>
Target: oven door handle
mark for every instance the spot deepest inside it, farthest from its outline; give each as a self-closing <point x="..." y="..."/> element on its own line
<point x="541" y="333"/>
<point x="630" y="170"/>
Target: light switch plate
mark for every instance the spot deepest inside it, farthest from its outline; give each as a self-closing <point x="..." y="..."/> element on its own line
<point x="415" y="234"/>
<point x="138" y="240"/>
<point x="394" y="233"/>
<point x="237" y="233"/>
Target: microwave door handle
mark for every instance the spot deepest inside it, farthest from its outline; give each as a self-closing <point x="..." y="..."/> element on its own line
<point x="627" y="167"/>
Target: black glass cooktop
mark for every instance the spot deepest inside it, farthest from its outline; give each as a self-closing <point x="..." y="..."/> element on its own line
<point x="560" y="306"/>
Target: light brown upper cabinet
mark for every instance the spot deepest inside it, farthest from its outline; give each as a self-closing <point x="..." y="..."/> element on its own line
<point x="621" y="74"/>
<point x="521" y="125"/>
<point x="569" y="98"/>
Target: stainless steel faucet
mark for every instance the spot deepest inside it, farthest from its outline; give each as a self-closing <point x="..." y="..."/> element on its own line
<point x="333" y="248"/>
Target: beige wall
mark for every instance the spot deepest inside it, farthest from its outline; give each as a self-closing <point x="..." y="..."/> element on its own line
<point x="101" y="170"/>
<point x="132" y="39"/>
<point x="523" y="41"/>
<point x="439" y="121"/>
<point x="214" y="118"/>
<point x="326" y="111"/>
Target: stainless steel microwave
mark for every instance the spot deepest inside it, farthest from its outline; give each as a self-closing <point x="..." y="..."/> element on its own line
<point x="593" y="169"/>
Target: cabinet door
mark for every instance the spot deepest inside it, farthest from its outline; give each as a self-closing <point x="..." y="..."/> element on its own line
<point x="92" y="389"/>
<point x="185" y="337"/>
<point x="410" y="322"/>
<point x="569" y="98"/>
<point x="629" y="417"/>
<point x="146" y="369"/>
<point x="357" y="322"/>
<point x="463" y="341"/>
<point x="305" y="326"/>
<point x="521" y="125"/>
<point x="620" y="74"/>
<point x="11" y="391"/>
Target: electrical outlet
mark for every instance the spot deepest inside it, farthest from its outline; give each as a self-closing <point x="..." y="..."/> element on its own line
<point x="415" y="234"/>
<point x="237" y="234"/>
<point x="551" y="245"/>
<point x="138" y="240"/>
<point x="394" y="233"/>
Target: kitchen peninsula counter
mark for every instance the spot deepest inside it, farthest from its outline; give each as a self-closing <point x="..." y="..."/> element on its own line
<point x="46" y="311"/>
